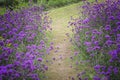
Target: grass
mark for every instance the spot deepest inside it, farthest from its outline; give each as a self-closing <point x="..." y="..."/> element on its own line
<point x="2" y="10"/>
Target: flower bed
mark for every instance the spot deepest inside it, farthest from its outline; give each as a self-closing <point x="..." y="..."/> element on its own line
<point x="23" y="43"/>
<point x="97" y="36"/>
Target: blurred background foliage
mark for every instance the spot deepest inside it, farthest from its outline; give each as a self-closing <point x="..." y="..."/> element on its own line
<point x="48" y="4"/>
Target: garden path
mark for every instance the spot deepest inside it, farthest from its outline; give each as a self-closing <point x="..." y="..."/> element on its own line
<point x="61" y="67"/>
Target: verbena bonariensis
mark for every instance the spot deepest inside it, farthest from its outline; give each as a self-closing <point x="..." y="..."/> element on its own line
<point x="97" y="35"/>
<point x="23" y="43"/>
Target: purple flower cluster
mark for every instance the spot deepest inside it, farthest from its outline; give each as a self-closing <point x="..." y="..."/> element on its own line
<point x="22" y="43"/>
<point x="97" y="35"/>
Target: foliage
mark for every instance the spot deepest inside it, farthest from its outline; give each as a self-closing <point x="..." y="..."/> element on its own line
<point x="57" y="3"/>
<point x="23" y="44"/>
<point x="97" y="36"/>
<point x="47" y="4"/>
<point x="8" y="3"/>
<point x="2" y="11"/>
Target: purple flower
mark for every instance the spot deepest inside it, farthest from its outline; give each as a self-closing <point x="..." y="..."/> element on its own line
<point x="107" y="27"/>
<point x="1" y="43"/>
<point x="115" y="70"/>
<point x="87" y="44"/>
<point x="96" y="48"/>
<point x="111" y="17"/>
<point x="97" y="67"/>
<point x="109" y="42"/>
<point x="85" y="20"/>
<point x="73" y="78"/>
<point x="40" y="59"/>
<point x="118" y="23"/>
<point x="54" y="58"/>
<point x="96" y="78"/>
<point x="107" y="37"/>
<point x="76" y="53"/>
<point x="118" y="37"/>
<point x="46" y="67"/>
<point x="4" y="35"/>
<point x="96" y="42"/>
<point x="118" y="28"/>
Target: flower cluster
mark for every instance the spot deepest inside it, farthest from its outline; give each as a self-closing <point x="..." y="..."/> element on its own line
<point x="98" y="35"/>
<point x="22" y="43"/>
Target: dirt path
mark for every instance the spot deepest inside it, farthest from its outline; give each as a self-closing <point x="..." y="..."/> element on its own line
<point x="61" y="67"/>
